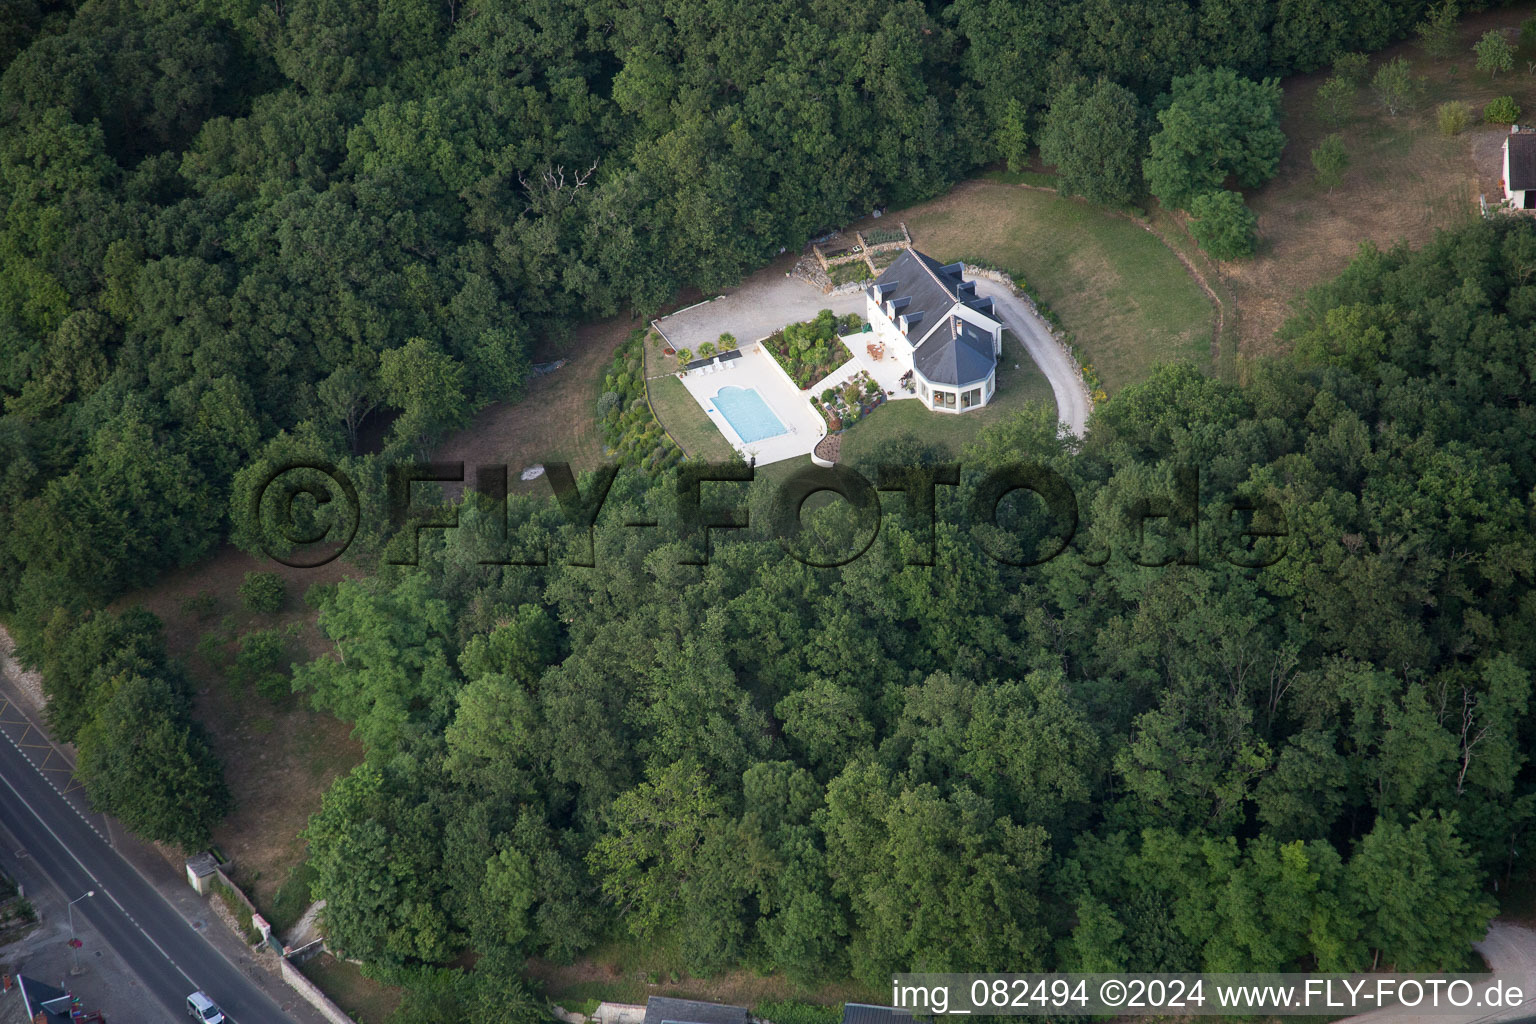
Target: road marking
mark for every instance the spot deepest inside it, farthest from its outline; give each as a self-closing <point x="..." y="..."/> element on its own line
<point x="81" y="864"/>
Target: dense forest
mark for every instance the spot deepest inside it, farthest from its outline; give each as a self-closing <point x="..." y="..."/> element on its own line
<point x="239" y="231"/>
<point x="1152" y="752"/>
<point x="230" y="220"/>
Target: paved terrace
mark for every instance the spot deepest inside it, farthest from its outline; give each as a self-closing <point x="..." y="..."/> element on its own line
<point x="758" y="370"/>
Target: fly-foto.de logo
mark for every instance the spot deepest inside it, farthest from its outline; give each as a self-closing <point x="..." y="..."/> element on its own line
<point x="1020" y="514"/>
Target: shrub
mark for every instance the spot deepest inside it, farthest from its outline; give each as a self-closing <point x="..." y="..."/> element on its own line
<point x="263" y="592"/>
<point x="1528" y="35"/>
<point x="1438" y="30"/>
<point x="210" y="647"/>
<point x="684" y="356"/>
<point x="727" y="341"/>
<point x="1503" y="110"/>
<point x="828" y="395"/>
<point x="1334" y="98"/>
<point x="318" y="595"/>
<point x="237" y="910"/>
<point x="200" y="606"/>
<point x="1453" y="117"/>
<point x="608" y="404"/>
<point x="1329" y="160"/>
<point x="631" y="432"/>
<point x="259" y="662"/>
<point x="1351" y="67"/>
<point x="1222" y="225"/>
<point x="809" y="351"/>
<point x="1394" y="85"/>
<point x="706" y="350"/>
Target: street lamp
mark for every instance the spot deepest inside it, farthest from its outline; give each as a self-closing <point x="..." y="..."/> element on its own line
<point x="74" y="942"/>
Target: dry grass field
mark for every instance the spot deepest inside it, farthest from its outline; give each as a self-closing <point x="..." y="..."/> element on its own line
<point x="278" y="756"/>
<point x="554" y="420"/>
<point x="1405" y="180"/>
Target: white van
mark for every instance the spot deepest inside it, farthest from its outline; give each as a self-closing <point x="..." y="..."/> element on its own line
<point x="200" y="1007"/>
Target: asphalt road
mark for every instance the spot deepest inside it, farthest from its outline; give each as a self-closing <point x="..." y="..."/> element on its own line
<point x="158" y="944"/>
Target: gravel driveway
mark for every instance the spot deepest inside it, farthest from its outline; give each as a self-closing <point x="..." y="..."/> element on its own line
<point x="1072" y="406"/>
<point x="762" y="304"/>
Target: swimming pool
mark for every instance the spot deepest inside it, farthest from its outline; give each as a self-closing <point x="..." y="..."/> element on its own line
<point x="747" y="413"/>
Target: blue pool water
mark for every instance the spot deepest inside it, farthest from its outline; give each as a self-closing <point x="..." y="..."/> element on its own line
<point x="747" y="413"/>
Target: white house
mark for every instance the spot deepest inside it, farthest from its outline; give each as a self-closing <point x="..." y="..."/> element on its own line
<point x="1520" y="168"/>
<point x="931" y="322"/>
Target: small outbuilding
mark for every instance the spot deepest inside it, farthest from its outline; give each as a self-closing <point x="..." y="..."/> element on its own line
<point x="865" y="1013"/>
<point x="201" y="867"/>
<point x="665" y="1010"/>
<point x="1520" y="167"/>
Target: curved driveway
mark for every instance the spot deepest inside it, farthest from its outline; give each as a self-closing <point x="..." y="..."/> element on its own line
<point x="1072" y="406"/>
<point x="1510" y="951"/>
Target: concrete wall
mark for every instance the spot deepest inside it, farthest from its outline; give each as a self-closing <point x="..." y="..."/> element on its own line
<point x="311" y="994"/>
<point x="287" y="971"/>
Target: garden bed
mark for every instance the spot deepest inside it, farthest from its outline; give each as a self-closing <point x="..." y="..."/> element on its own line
<point x="883" y="236"/>
<point x="846" y="273"/>
<point x="811" y="350"/>
<point x="844" y="406"/>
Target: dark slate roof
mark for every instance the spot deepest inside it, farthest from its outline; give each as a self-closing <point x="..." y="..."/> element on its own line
<point x="723" y="357"/>
<point x="665" y="1010"/>
<point x="956" y="353"/>
<point x="863" y="1013"/>
<point x="1522" y="161"/>
<point x="928" y="287"/>
<point x="42" y="999"/>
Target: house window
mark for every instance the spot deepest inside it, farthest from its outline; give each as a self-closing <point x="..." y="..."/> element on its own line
<point x="971" y="398"/>
<point x="922" y="389"/>
<point x="943" y="399"/>
<point x="991" y="385"/>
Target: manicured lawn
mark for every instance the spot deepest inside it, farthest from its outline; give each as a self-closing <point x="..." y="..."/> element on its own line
<point x="1121" y="292"/>
<point x="686" y="422"/>
<point x="1015" y="387"/>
